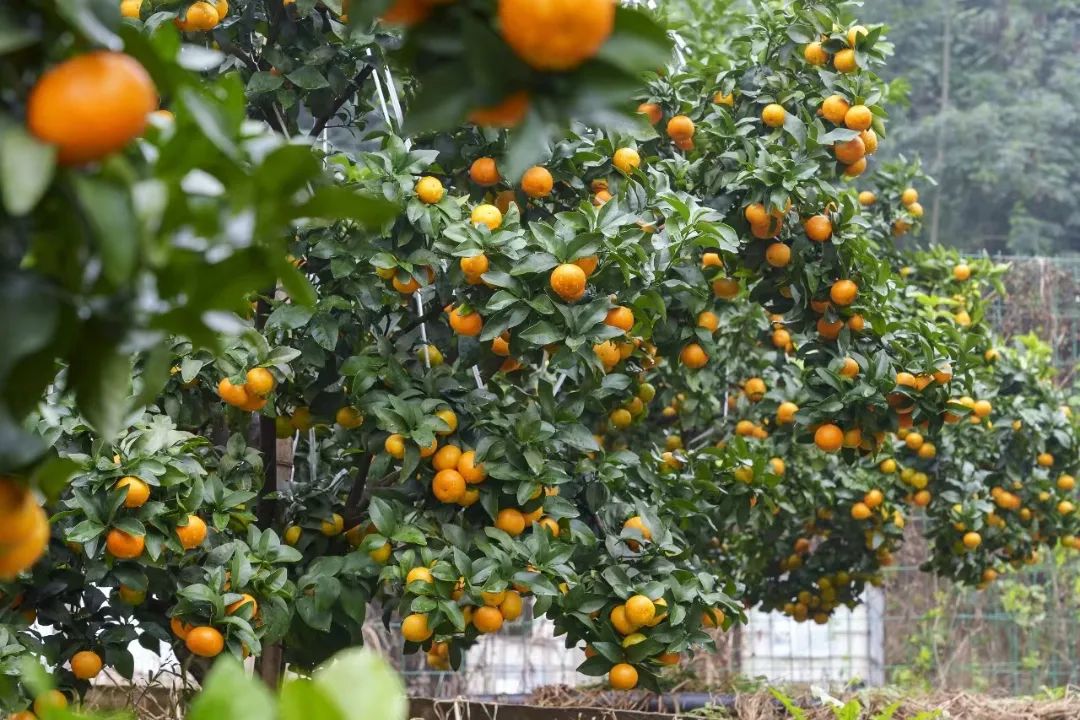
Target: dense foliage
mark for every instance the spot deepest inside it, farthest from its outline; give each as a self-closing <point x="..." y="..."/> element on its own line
<point x="641" y="372"/>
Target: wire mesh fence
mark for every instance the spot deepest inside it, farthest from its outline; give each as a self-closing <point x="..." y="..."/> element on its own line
<point x="1018" y="636"/>
<point x="1043" y="297"/>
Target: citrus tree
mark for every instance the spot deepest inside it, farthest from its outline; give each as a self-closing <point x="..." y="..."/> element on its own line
<point x="641" y="360"/>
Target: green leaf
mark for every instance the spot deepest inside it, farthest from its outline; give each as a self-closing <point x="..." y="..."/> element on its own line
<point x="578" y="436"/>
<point x="308" y="78"/>
<point x="95" y="19"/>
<point x="211" y="121"/>
<point x="34" y="676"/>
<point x="26" y="169"/>
<point x="154" y="374"/>
<point x="85" y="531"/>
<point x="533" y="263"/>
<point x="102" y="378"/>
<point x="13" y="33"/>
<point x="296" y="284"/>
<point x="288" y="317"/>
<point x="637" y="44"/>
<point x="301" y="699"/>
<point x="595" y="666"/>
<point x="789" y="704"/>
<point x="109" y="209"/>
<point x="528" y="143"/>
<point x="409" y="534"/>
<point x="439" y="104"/>
<point x="286" y="170"/>
<point x="264" y="82"/>
<point x="229" y="692"/>
<point x="338" y="203"/>
<point x="52" y="475"/>
<point x="541" y="333"/>
<point x="363" y="686"/>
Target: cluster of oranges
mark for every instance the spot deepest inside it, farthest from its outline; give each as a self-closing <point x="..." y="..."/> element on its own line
<point x="497" y="608"/>
<point x="459" y="478"/>
<point x="409" y="284"/>
<point x="206" y="640"/>
<point x="639" y="613"/>
<point x="917" y="480"/>
<point x="621" y="417"/>
<point x="126" y="546"/>
<point x="852" y="153"/>
<point x="679" y="128"/>
<point x="844" y="60"/>
<point x="611" y="352"/>
<point x="818" y="602"/>
<point x="200" y="16"/>
<point x="85" y="665"/>
<point x="909" y="198"/>
<point x="864" y="509"/>
<point x="202" y="640"/>
<point x="252" y="394"/>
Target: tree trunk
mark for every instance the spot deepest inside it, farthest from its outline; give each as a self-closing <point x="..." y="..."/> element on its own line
<point x="939" y="156"/>
<point x="269" y="665"/>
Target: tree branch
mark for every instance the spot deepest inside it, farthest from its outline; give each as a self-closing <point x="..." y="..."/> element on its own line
<point x="356" y="492"/>
<point x="271" y="115"/>
<point x="430" y="314"/>
<point x="233" y="49"/>
<point x="266" y="508"/>
<point x="350" y="90"/>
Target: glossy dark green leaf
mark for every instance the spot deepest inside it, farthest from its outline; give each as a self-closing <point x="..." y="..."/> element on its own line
<point x="308" y="78"/>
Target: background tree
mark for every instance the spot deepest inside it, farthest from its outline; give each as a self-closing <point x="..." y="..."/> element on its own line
<point x="993" y="89"/>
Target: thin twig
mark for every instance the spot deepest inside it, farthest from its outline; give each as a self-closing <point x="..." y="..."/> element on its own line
<point x="356" y="492"/>
<point x="350" y="90"/>
<point x="431" y="314"/>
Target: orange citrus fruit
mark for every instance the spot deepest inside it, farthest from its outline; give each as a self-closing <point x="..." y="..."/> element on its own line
<point x="626" y="159"/>
<point x="86" y="664"/>
<point x="537" y="182"/>
<point x="205" y="641"/>
<point x="829" y="437"/>
<point x="506" y="113"/>
<point x="484" y="172"/>
<point x="773" y="115"/>
<point x="468" y="325"/>
<point x="568" y="281"/>
<point x="192" y="534"/>
<point x="123" y="546"/>
<point x="429" y="190"/>
<point x="693" y="356"/>
<point x="556" y="34"/>
<point x="138" y="492"/>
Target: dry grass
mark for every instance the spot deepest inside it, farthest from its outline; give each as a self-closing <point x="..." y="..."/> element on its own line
<point x="761" y="705"/>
